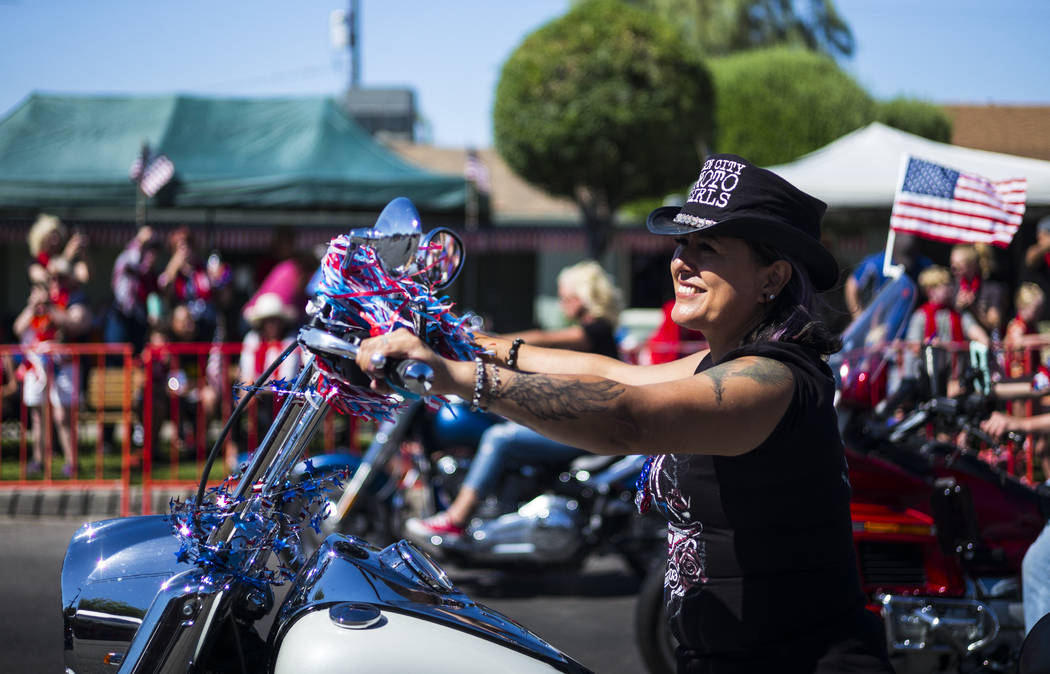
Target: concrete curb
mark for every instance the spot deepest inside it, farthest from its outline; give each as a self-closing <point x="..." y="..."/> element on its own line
<point x="30" y="503"/>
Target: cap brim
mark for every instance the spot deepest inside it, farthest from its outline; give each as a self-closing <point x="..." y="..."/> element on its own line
<point x="661" y="221"/>
<point x="820" y="264"/>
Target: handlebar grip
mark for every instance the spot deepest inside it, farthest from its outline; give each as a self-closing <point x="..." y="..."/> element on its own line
<point x="414" y="376"/>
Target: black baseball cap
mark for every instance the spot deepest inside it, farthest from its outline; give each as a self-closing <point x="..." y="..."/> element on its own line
<point x="733" y="197"/>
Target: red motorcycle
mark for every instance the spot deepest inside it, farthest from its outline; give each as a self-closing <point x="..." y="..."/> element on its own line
<point x="940" y="532"/>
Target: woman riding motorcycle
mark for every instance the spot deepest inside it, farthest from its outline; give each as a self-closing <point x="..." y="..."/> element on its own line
<point x="749" y="466"/>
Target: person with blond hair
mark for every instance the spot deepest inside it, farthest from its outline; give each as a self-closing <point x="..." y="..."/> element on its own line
<point x="50" y="245"/>
<point x="588" y="297"/>
<point x="1029" y="302"/>
<point x="938" y="321"/>
<point x="975" y="291"/>
<point x="591" y="302"/>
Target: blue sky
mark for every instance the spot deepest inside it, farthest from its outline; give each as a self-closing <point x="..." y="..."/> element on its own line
<point x="961" y="51"/>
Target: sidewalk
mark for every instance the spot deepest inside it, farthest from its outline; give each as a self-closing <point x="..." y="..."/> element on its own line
<point x="90" y="503"/>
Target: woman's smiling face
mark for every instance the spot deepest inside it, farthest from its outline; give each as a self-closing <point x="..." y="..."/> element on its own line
<point x="718" y="285"/>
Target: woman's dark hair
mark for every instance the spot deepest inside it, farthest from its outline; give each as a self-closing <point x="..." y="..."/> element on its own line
<point x="791" y="317"/>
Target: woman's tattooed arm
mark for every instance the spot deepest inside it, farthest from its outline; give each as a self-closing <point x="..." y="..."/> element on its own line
<point x="762" y="370"/>
<point x="555" y="399"/>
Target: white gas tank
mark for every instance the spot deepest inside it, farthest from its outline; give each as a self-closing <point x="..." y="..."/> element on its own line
<point x="354" y="638"/>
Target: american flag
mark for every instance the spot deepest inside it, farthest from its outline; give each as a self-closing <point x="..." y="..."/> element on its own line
<point x="156" y="175"/>
<point x="475" y="171"/>
<point x="936" y="202"/>
<point x="151" y="171"/>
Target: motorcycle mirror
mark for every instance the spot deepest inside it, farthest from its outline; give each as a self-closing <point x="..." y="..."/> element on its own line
<point x="440" y="258"/>
<point x="394" y="238"/>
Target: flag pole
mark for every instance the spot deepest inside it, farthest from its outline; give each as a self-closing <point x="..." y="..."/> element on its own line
<point x="890" y="270"/>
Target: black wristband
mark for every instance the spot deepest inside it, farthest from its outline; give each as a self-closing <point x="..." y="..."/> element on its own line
<point x="512" y="355"/>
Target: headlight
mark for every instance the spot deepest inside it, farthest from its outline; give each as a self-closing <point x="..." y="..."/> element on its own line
<point x="956" y="625"/>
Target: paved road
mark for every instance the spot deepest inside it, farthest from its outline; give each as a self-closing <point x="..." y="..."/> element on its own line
<point x="588" y="615"/>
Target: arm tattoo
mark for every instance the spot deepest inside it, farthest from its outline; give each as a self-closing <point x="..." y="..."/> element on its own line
<point x="763" y="371"/>
<point x="547" y="398"/>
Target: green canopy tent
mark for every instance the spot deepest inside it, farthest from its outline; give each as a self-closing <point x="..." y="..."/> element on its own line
<point x="258" y="153"/>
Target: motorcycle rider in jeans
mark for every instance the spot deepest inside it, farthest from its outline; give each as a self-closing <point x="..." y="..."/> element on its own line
<point x="748" y="465"/>
<point x="587" y="296"/>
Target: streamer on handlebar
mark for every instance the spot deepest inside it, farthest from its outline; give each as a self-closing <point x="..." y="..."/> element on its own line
<point x="360" y="292"/>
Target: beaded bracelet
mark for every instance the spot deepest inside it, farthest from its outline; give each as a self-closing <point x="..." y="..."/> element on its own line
<point x="479" y="384"/>
<point x="512" y="355"/>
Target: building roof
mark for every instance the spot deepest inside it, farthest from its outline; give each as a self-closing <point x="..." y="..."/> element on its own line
<point x="1022" y="130"/>
<point x="512" y="199"/>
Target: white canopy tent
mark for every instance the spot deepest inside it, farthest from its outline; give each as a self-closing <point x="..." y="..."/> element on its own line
<point x="861" y="169"/>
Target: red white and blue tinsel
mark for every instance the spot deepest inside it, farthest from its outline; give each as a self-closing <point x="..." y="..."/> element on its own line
<point x="359" y="293"/>
<point x="260" y="525"/>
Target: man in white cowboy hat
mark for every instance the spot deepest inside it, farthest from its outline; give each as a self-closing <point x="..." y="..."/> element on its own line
<point x="272" y="321"/>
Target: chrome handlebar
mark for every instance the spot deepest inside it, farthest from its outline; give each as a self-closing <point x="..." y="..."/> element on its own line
<point x="410" y="375"/>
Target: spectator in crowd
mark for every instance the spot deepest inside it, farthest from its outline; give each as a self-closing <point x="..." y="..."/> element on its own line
<point x="182" y="391"/>
<point x="938" y="321"/>
<point x="287" y="280"/>
<point x="974" y="291"/>
<point x="134" y="280"/>
<point x="50" y="243"/>
<point x="1029" y="301"/>
<point x="188" y="281"/>
<point x="868" y="277"/>
<point x="587" y="297"/>
<point x="272" y="322"/>
<point x="671" y="341"/>
<point x="1037" y="256"/>
<point x="56" y="313"/>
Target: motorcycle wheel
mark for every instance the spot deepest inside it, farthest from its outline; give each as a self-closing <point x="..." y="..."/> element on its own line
<point x="652" y="634"/>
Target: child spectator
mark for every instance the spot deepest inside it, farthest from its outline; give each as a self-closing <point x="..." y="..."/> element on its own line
<point x="937" y="321"/>
<point x="55" y="313"/>
<point x="1029" y="301"/>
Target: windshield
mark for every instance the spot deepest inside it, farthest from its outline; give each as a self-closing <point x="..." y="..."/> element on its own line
<point x="862" y="366"/>
<point x="885" y="319"/>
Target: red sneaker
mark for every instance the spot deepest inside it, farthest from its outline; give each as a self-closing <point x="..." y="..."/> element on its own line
<point x="435" y="525"/>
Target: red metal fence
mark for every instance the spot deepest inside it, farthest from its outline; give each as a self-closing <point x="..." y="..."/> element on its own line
<point x="93" y="416"/>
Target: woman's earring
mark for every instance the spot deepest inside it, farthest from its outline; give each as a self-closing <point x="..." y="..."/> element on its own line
<point x="772" y="297"/>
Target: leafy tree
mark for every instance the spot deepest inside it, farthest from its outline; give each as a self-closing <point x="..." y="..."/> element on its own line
<point x="774" y="105"/>
<point x="603" y="105"/>
<point x="719" y="27"/>
<point x="919" y="117"/>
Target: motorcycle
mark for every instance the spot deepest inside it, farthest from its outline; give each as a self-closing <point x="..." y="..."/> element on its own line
<point x="192" y="591"/>
<point x="538" y="519"/>
<point x="931" y="458"/>
<point x="939" y="532"/>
